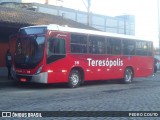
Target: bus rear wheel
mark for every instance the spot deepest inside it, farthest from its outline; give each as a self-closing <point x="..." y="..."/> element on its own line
<point x="74" y="79"/>
<point x="128" y="75"/>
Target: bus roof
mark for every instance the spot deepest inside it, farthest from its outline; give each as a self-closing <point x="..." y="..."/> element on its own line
<point x="85" y="31"/>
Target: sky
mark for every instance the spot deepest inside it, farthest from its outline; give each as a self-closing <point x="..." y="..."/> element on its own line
<point x="145" y="12"/>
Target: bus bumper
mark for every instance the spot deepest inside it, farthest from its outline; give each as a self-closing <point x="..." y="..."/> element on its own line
<point x="38" y="78"/>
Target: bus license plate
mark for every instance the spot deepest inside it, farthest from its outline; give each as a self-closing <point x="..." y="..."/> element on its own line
<point x="23" y="79"/>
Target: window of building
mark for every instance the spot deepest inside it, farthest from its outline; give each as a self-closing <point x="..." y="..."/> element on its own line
<point x="128" y="47"/>
<point x="78" y="43"/>
<point x="96" y="45"/>
<point x="114" y="46"/>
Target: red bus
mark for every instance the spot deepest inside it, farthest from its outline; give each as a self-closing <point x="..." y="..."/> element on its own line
<point x="55" y="54"/>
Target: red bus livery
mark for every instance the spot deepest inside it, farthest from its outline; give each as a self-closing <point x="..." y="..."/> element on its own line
<point x="55" y="54"/>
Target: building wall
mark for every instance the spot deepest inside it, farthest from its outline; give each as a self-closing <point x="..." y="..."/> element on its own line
<point x="53" y="2"/>
<point x="12" y="45"/>
<point x="4" y="47"/>
<point x="18" y="1"/>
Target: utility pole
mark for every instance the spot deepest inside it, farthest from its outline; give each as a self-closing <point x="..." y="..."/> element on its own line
<point x="46" y="2"/>
<point x="158" y="23"/>
<point x="88" y="12"/>
<point x="124" y="24"/>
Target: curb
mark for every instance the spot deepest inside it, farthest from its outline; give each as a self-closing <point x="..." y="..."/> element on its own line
<point x="5" y="83"/>
<point x="4" y="80"/>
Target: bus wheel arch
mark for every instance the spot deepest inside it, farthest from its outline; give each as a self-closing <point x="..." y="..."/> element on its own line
<point x="128" y="75"/>
<point x="76" y="77"/>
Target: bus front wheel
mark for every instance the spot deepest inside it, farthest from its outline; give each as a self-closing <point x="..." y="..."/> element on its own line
<point x="74" y="79"/>
<point x="128" y="75"/>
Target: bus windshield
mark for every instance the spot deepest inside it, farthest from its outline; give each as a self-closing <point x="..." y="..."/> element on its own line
<point x="29" y="51"/>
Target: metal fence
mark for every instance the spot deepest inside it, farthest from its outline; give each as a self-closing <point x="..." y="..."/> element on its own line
<point x="124" y="24"/>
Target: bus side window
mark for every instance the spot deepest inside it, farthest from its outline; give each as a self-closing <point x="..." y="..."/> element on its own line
<point x="128" y="47"/>
<point x="149" y="48"/>
<point x="51" y="47"/>
<point x="56" y="46"/>
<point x="141" y="48"/>
<point x="78" y="43"/>
<point x="108" y="47"/>
<point x="93" y="46"/>
<point x="96" y="45"/>
<point x="114" y="46"/>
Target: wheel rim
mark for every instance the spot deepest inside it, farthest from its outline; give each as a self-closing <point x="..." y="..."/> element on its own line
<point x="74" y="79"/>
<point x="128" y="75"/>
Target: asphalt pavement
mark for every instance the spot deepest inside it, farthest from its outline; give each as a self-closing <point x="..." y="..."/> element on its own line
<point x="142" y="95"/>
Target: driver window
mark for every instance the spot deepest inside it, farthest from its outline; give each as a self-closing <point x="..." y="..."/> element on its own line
<point x="56" y="46"/>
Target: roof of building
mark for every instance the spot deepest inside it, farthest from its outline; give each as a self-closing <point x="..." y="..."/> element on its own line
<point x="11" y="19"/>
<point x="20" y="18"/>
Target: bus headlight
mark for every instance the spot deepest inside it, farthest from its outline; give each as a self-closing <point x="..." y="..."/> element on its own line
<point x="39" y="70"/>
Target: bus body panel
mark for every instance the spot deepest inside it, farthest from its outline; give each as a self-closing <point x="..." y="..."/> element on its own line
<point x="94" y="66"/>
<point x="143" y="66"/>
<point x="57" y="71"/>
<point x="62" y="69"/>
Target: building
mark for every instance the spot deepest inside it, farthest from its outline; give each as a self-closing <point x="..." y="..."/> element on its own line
<point x="124" y="24"/>
<point x="17" y="13"/>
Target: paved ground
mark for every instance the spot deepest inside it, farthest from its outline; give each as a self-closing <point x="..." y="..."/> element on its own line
<point x="4" y="82"/>
<point x="142" y="95"/>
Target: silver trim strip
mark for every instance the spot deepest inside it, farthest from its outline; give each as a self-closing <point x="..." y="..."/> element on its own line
<point x="38" y="78"/>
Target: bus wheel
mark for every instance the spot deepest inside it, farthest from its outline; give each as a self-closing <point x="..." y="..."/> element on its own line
<point x="74" y="79"/>
<point x="128" y="75"/>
